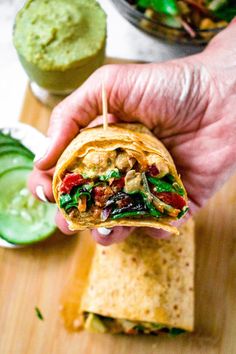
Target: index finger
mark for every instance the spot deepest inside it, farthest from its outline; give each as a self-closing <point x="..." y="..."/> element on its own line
<point x="72" y="114"/>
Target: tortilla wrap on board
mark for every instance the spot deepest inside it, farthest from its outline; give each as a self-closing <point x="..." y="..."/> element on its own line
<point x="142" y="285"/>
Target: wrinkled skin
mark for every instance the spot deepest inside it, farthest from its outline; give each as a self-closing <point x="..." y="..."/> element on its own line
<point x="189" y="104"/>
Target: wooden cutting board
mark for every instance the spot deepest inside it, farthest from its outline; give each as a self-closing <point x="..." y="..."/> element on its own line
<point x="35" y="276"/>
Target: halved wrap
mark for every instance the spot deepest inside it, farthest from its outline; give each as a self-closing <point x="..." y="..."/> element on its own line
<point x="119" y="176"/>
<point x="141" y="285"/>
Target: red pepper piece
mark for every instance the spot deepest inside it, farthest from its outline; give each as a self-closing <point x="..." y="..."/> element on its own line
<point x="153" y="170"/>
<point x="71" y="180"/>
<point x="118" y="183"/>
<point x="101" y="194"/>
<point x="173" y="199"/>
<point x="98" y="191"/>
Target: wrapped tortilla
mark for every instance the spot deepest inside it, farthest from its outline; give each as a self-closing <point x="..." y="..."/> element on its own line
<point x="119" y="176"/>
<point x="141" y="285"/>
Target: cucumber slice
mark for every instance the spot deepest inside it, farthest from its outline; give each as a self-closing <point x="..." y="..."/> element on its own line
<point x="17" y="231"/>
<point x="5" y="138"/>
<point x="18" y="149"/>
<point x="11" y="159"/>
<point x="10" y="143"/>
<point x="23" y="219"/>
<point x="6" y="141"/>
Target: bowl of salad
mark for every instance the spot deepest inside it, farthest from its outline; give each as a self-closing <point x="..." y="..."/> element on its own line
<point x="179" y="21"/>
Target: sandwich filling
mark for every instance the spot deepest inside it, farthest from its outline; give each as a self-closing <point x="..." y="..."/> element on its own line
<point x="115" y="185"/>
<point x="101" y="324"/>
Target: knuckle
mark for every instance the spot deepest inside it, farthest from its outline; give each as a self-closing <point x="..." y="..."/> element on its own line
<point x="55" y="118"/>
<point x="108" y="71"/>
<point x="56" y="112"/>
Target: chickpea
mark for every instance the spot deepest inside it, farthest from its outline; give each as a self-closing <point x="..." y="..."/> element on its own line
<point x="159" y="163"/>
<point x="96" y="162"/>
<point x="124" y="162"/>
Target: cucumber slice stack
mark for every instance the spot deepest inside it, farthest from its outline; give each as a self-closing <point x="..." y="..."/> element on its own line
<point x="23" y="219"/>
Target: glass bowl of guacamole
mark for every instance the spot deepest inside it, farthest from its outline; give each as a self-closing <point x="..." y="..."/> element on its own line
<point x="59" y="42"/>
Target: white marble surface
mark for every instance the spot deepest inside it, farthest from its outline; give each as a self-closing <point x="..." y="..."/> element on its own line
<point x="124" y="41"/>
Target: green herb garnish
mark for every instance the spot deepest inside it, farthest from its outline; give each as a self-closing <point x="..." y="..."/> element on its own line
<point x="39" y="313"/>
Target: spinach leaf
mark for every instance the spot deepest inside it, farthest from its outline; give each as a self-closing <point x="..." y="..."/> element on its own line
<point x="81" y="192"/>
<point x="169" y="178"/>
<point x="178" y="189"/>
<point x="72" y="204"/>
<point x="183" y="211"/>
<point x="65" y="199"/>
<point x="68" y="201"/>
<point x="152" y="210"/>
<point x="110" y="174"/>
<point x="147" y="197"/>
<point x="162" y="186"/>
<point x="88" y="187"/>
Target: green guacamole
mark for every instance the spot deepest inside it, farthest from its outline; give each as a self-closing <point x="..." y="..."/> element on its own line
<point x="60" y="42"/>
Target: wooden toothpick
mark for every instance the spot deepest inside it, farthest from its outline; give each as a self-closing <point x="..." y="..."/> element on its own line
<point x="104" y="107"/>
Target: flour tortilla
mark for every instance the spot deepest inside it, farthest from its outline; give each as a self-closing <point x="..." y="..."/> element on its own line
<point x="126" y="136"/>
<point x="140" y="279"/>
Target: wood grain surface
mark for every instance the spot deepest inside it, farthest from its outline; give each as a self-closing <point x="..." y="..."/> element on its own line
<point x="35" y="276"/>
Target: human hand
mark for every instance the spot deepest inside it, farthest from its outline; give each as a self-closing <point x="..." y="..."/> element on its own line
<point x="187" y="103"/>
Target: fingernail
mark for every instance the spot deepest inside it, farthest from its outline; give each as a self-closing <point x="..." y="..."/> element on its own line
<point x="42" y="149"/>
<point x="104" y="231"/>
<point x="40" y="194"/>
